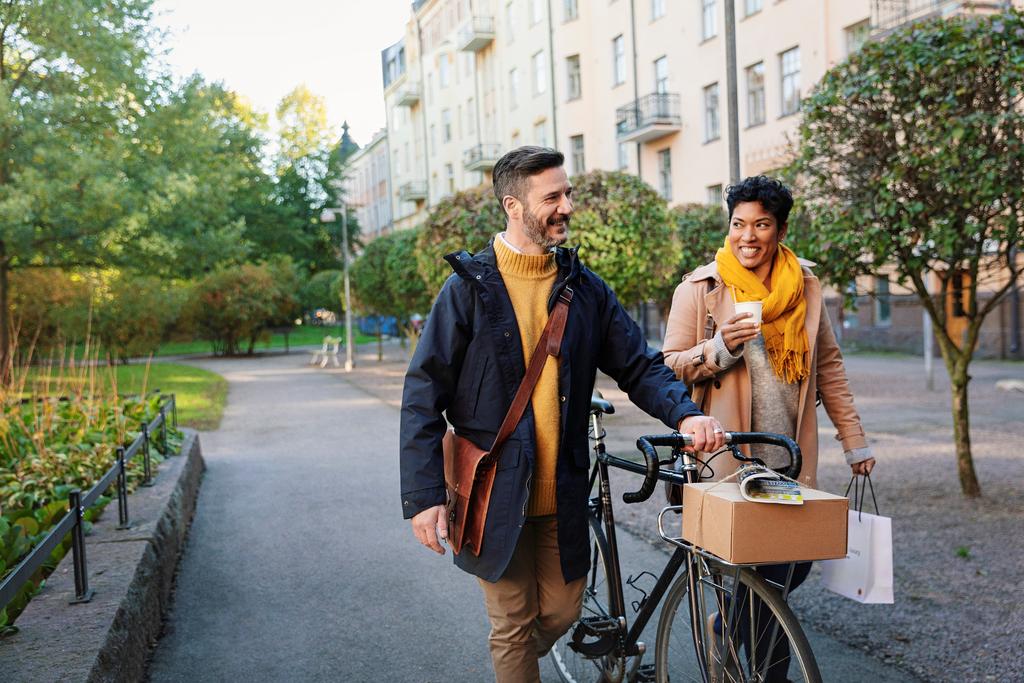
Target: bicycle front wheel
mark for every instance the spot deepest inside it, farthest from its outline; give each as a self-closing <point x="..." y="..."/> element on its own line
<point x="572" y="667"/>
<point x="740" y="625"/>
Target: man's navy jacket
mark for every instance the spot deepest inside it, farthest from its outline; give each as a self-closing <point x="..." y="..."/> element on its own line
<point x="468" y="365"/>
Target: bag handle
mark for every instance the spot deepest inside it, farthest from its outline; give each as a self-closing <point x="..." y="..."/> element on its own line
<point x="858" y="494"/>
<point x="549" y="344"/>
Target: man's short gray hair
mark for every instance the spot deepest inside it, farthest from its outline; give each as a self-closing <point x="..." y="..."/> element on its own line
<point x="514" y="168"/>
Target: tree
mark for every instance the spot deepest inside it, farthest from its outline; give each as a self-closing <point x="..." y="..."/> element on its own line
<point x="626" y="235"/>
<point x="386" y="281"/>
<point x="74" y="74"/>
<point x="465" y="220"/>
<point x="700" y="232"/>
<point x="911" y="160"/>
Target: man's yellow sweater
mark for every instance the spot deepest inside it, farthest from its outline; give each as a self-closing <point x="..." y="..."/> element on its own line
<point x="529" y="280"/>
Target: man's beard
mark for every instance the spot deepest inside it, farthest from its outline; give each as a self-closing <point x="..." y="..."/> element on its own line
<point x="538" y="231"/>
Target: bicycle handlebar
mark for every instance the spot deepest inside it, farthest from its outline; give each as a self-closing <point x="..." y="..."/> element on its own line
<point x="646" y="445"/>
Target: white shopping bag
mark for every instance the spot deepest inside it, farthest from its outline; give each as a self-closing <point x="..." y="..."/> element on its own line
<point x="865" y="575"/>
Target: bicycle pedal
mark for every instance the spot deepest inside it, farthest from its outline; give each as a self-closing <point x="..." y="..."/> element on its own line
<point x="605" y="631"/>
<point x="645" y="674"/>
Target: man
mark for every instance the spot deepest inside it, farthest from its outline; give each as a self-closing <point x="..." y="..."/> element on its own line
<point x="469" y="362"/>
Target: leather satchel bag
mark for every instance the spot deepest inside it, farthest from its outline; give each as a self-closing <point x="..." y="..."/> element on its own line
<point x="469" y="470"/>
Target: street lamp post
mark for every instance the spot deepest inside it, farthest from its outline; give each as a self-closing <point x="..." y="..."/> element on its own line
<point x="731" y="91"/>
<point x="327" y="216"/>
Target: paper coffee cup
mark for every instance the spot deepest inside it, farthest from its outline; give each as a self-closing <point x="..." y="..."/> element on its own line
<point x="751" y="307"/>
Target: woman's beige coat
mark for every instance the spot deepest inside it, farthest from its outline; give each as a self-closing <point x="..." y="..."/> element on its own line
<point x="691" y="356"/>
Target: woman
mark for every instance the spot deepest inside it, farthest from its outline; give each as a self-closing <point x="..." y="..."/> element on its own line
<point x="763" y="377"/>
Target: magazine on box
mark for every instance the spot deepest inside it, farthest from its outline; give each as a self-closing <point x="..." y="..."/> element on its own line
<point x="759" y="484"/>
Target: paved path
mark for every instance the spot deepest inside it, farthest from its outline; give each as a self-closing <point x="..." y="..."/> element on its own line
<point x="299" y="567"/>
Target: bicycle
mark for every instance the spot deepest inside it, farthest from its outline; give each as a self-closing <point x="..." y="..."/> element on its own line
<point x="709" y="628"/>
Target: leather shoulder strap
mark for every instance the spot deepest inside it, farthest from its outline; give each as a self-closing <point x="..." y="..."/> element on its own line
<point x="549" y="344"/>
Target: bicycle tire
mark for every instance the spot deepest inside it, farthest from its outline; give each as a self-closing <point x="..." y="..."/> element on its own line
<point x="571" y="666"/>
<point x="675" y="657"/>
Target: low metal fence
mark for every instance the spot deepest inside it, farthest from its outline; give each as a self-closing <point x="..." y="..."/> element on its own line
<point x="73" y="521"/>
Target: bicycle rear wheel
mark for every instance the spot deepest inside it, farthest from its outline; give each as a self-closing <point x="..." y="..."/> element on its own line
<point x="572" y="667"/>
<point x="750" y="648"/>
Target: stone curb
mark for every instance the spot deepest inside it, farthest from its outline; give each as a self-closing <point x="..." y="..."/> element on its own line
<point x="131" y="572"/>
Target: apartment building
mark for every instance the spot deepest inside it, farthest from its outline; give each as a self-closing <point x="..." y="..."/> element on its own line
<point x="367" y="185"/>
<point x="634" y="85"/>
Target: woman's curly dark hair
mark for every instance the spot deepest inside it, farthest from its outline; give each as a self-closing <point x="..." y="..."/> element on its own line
<point x="773" y="195"/>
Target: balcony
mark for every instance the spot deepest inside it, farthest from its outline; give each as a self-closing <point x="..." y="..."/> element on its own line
<point x="890" y="15"/>
<point x="481" y="157"/>
<point x="408" y="95"/>
<point x="649" y="118"/>
<point x="477" y="34"/>
<point x="412" y="191"/>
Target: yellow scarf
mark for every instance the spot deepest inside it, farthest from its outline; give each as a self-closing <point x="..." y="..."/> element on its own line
<point x="784" y="312"/>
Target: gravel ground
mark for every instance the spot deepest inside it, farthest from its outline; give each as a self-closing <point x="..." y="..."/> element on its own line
<point x="954" y="558"/>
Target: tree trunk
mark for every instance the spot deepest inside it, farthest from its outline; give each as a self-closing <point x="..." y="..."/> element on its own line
<point x="380" y="342"/>
<point x="6" y="352"/>
<point x="962" y="433"/>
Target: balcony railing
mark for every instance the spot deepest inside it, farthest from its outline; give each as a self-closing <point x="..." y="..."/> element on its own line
<point x="477" y="34"/>
<point x="890" y="15"/>
<point x="412" y="190"/>
<point x="481" y="157"/>
<point x="648" y="118"/>
<point x="409" y="94"/>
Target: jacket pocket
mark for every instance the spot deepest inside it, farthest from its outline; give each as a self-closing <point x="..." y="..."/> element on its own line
<point x="481" y="381"/>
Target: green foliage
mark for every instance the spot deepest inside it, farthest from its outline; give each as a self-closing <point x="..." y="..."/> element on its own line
<point x="49" y="305"/>
<point x="626" y="235"/>
<point x="135" y="314"/>
<point x="322" y="290"/>
<point x="235" y="305"/>
<point x="700" y="232"/>
<point x="386" y="281"/>
<point x="466" y="220"/>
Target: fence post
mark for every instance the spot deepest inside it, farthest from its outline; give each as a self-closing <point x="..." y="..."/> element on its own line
<point x="146" y="467"/>
<point x="122" y="491"/>
<point x="82" y="592"/>
<point x="174" y="410"/>
<point x="163" y="428"/>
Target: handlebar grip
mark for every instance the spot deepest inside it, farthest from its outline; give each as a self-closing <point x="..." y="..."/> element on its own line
<point x="651" y="477"/>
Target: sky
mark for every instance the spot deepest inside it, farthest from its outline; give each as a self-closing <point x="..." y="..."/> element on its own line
<point x="262" y="49"/>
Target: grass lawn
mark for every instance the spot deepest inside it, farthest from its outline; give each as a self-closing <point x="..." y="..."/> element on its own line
<point x="200" y="394"/>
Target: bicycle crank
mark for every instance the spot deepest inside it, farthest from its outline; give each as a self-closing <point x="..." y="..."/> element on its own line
<point x="607" y="633"/>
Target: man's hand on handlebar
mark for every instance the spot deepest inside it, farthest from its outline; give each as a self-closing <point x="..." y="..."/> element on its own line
<point x="708" y="434"/>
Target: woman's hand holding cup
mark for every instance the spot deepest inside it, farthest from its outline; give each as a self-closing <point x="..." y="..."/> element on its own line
<point x="739" y="329"/>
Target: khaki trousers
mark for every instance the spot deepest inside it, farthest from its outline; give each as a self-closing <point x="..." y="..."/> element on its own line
<point x="530" y="606"/>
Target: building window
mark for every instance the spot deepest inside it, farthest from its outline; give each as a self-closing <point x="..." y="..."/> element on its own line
<point x="470" y="116"/>
<point x="443" y="73"/>
<point x="752" y="7"/>
<point x="578" y="162"/>
<point x="661" y="75"/>
<point x="540" y="77"/>
<point x="571" y="9"/>
<point x="883" y="302"/>
<point x="665" y="173"/>
<point x="618" y="60"/>
<point x="709" y="19"/>
<point x="446" y="125"/>
<point x="856" y="35"/>
<point x="714" y="193"/>
<point x="433" y="137"/>
<point x="536" y="11"/>
<point x="790" y="63"/>
<point x="510" y="16"/>
<point x="515" y="139"/>
<point x="623" y="156"/>
<point x="575" y="83"/>
<point x="712" y="130"/>
<point x="657" y="9"/>
<point x="513" y="88"/>
<point x="755" y="94"/>
<point x="449" y="174"/>
<point x="540" y="133"/>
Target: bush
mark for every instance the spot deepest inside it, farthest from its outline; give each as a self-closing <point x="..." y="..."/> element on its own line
<point x="236" y="305"/>
<point x="322" y="290"/>
<point x="700" y="231"/>
<point x="135" y="314"/>
<point x="50" y="306"/>
<point x="466" y="220"/>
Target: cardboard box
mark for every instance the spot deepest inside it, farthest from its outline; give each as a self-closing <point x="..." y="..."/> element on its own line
<point x="720" y="520"/>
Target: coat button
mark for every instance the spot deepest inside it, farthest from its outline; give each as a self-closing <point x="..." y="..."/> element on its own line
<point x="718" y="385"/>
<point x="477" y="277"/>
<point x="563" y="399"/>
<point x="458" y="258"/>
<point x="507" y="333"/>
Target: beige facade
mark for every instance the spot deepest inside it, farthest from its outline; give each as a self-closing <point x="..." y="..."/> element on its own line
<point x="367" y="186"/>
<point x="636" y="85"/>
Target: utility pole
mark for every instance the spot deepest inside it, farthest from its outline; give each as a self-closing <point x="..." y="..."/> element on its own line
<point x="732" y="94"/>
